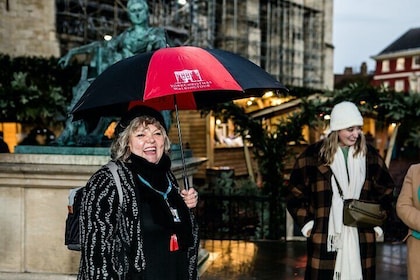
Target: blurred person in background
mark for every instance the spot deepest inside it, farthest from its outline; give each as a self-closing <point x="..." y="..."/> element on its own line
<point x="4" y="148"/>
<point x="408" y="210"/>
<point x="38" y="136"/>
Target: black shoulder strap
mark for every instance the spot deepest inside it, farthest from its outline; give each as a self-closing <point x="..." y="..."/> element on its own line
<point x="338" y="186"/>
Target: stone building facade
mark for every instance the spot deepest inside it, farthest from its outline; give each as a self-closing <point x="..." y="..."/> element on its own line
<point x="27" y="28"/>
<point x="292" y="40"/>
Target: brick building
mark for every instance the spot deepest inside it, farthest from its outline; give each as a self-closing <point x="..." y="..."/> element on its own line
<point x="398" y="65"/>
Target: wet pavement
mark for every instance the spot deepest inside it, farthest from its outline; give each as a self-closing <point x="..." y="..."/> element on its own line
<point x="35" y="276"/>
<point x="261" y="260"/>
<point x="271" y="260"/>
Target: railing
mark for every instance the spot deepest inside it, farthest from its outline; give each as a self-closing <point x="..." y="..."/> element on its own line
<point x="235" y="217"/>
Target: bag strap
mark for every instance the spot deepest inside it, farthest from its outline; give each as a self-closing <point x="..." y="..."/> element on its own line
<point x="340" y="191"/>
<point x="113" y="168"/>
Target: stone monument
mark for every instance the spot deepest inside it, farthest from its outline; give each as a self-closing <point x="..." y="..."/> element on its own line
<point x="137" y="39"/>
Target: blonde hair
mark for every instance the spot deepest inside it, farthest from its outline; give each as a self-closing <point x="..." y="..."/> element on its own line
<point x="330" y="145"/>
<point x="119" y="147"/>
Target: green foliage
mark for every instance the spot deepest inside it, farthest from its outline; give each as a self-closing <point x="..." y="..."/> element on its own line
<point x="414" y="139"/>
<point x="385" y="106"/>
<point x="270" y="149"/>
<point x="35" y="90"/>
<point x="33" y="105"/>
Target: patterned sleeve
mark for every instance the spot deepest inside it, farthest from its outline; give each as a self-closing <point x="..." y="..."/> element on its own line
<point x="97" y="228"/>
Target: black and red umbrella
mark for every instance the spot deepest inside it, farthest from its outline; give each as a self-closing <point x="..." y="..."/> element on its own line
<point x="197" y="77"/>
<point x="186" y="78"/>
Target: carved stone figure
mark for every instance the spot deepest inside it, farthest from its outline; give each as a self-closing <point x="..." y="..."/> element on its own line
<point x="137" y="39"/>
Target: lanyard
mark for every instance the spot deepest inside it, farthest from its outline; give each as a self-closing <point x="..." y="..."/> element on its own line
<point x="173" y="241"/>
<point x="163" y="194"/>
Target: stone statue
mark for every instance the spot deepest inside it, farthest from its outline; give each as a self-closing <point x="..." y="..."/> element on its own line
<point x="136" y="39"/>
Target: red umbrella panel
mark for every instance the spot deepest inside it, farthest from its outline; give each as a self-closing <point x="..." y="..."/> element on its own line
<point x="193" y="70"/>
<point x="197" y="77"/>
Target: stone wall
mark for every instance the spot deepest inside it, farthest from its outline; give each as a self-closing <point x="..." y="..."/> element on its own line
<point x="27" y="28"/>
<point x="33" y="203"/>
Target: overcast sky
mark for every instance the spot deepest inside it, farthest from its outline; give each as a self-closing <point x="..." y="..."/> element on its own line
<point x="363" y="28"/>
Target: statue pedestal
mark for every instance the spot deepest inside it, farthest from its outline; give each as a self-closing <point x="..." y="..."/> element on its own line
<point x="33" y="199"/>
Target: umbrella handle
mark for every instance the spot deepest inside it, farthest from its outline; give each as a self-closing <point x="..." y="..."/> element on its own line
<point x="184" y="168"/>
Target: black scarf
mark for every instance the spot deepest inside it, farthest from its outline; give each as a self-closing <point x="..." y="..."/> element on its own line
<point x="155" y="174"/>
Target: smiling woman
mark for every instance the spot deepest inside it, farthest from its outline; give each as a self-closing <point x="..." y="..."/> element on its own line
<point x="341" y="166"/>
<point x="154" y="228"/>
<point x="146" y="135"/>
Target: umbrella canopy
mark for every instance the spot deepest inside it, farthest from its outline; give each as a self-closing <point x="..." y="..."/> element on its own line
<point x="192" y="77"/>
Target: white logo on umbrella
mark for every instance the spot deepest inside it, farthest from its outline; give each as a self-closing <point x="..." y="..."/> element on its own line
<point x="189" y="80"/>
<point x="186" y="76"/>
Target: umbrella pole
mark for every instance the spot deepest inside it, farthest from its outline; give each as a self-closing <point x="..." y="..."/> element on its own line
<point x="184" y="168"/>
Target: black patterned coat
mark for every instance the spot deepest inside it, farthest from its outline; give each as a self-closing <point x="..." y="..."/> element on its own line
<point x="111" y="237"/>
<point x="310" y="196"/>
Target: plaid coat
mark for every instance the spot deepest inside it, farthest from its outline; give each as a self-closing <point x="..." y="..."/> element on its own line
<point x="310" y="195"/>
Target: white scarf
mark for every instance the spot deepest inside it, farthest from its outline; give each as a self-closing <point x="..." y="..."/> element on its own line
<point x="341" y="238"/>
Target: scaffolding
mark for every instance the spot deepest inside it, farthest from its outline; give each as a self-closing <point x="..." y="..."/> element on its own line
<point x="286" y="38"/>
<point x="80" y="22"/>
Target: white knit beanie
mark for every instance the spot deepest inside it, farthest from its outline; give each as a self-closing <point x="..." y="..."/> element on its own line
<point x="345" y="115"/>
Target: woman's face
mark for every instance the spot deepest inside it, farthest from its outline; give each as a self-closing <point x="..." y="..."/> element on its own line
<point x="348" y="137"/>
<point x="147" y="142"/>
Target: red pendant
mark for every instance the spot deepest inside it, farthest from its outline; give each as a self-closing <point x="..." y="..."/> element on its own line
<point x="173" y="244"/>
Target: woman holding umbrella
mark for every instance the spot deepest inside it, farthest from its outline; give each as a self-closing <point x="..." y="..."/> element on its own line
<point x="153" y="235"/>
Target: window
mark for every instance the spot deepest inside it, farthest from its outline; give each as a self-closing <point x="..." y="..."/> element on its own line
<point x="385" y="65"/>
<point x="414" y="83"/>
<point x="415" y="62"/>
<point x="399" y="85"/>
<point x="385" y="85"/>
<point x="400" y="64"/>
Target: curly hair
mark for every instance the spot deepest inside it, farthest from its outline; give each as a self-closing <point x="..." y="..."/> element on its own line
<point x="330" y="145"/>
<point x="119" y="147"/>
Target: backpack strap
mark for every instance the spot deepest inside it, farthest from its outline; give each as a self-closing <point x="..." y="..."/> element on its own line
<point x="113" y="167"/>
